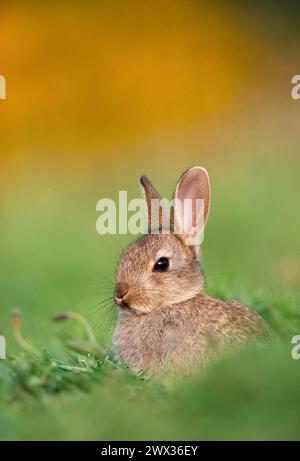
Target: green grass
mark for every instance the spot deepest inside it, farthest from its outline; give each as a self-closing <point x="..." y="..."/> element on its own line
<point x="250" y="395"/>
<point x="52" y="260"/>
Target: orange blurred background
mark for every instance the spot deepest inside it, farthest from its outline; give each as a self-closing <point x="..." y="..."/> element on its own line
<point x="102" y="80"/>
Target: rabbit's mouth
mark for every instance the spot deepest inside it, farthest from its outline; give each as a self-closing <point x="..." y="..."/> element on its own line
<point x="123" y="304"/>
<point x="129" y="300"/>
<point x="120" y="302"/>
<point x="121" y="295"/>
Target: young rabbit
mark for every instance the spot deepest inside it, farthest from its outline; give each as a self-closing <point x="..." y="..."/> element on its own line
<point x="165" y="319"/>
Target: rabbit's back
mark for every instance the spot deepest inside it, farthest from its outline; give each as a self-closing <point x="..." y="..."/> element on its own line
<point x="184" y="336"/>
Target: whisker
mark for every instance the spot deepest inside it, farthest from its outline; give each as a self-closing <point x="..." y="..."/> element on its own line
<point x="103" y="284"/>
<point x="110" y="314"/>
<point x="101" y="303"/>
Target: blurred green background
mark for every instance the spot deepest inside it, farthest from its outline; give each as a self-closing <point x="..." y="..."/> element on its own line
<point x="99" y="93"/>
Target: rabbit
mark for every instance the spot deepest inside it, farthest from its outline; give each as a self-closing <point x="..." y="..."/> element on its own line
<point x="165" y="320"/>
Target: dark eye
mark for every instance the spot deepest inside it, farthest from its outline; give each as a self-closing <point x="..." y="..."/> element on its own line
<point x="162" y="264"/>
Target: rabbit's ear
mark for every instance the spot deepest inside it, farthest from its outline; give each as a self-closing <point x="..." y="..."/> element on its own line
<point x="152" y="199"/>
<point x="191" y="206"/>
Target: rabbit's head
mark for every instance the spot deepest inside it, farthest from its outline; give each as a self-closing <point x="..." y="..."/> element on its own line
<point x="162" y="267"/>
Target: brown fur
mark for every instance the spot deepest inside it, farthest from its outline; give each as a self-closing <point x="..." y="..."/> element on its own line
<point x="167" y="321"/>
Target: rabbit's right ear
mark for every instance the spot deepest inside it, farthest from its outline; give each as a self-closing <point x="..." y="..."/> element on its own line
<point x="191" y="206"/>
<point x="152" y="199"/>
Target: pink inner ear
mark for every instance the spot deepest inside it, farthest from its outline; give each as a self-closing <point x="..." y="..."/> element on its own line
<point x="195" y="185"/>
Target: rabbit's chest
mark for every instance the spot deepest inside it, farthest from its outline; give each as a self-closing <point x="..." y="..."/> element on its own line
<point x="153" y="342"/>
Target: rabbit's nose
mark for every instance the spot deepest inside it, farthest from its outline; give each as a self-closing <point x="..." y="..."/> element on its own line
<point x="121" y="291"/>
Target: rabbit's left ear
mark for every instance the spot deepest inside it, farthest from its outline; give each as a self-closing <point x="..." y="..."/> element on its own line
<point x="154" y="210"/>
<point x="191" y="206"/>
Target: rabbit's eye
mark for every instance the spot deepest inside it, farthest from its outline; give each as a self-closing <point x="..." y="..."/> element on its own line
<point x="161" y="265"/>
